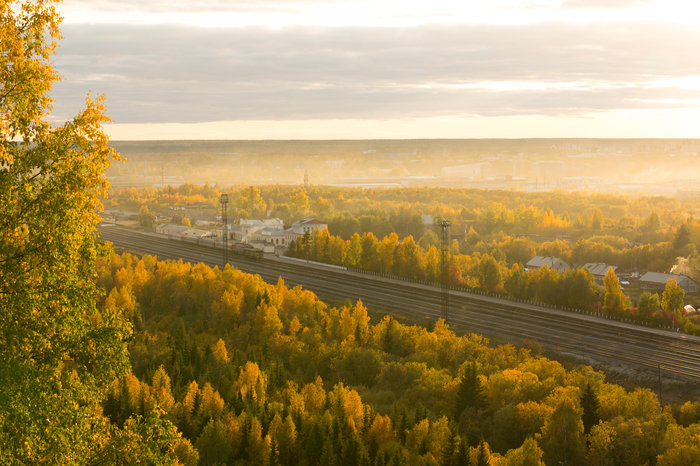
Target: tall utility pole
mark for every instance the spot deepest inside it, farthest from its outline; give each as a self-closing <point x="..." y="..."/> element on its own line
<point x="251" y="202"/>
<point x="224" y="219"/>
<point x="445" y="268"/>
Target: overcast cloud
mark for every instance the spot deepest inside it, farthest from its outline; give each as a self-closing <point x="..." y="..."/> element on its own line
<point x="180" y="73"/>
<point x="607" y="4"/>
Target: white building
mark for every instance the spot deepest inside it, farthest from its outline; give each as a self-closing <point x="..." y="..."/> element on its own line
<point x="247" y="229"/>
<point x="270" y="235"/>
<point x="197" y="233"/>
<point x="183" y="230"/>
<point x="168" y="229"/>
<point x="302" y="226"/>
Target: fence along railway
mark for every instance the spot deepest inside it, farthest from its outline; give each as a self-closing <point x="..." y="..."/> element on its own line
<point x="672" y="353"/>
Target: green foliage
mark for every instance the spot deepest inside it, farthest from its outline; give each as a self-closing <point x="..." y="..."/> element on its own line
<point x="213" y="444"/>
<point x="470" y="392"/>
<point x="147" y="219"/>
<point x="429" y="239"/>
<point x="672" y="298"/>
<point x="615" y="299"/>
<point x="462" y="457"/>
<point x="581" y="289"/>
<point x="59" y="353"/>
<point x="516" y="282"/>
<point x="682" y="237"/>
<point x="490" y="274"/>
<point x="529" y="454"/>
<point x="140" y="441"/>
<point x="653" y="223"/>
<point x="562" y="435"/>
<point x="648" y="304"/>
<point x="482" y="456"/>
<point x="590" y="406"/>
<point x="449" y="448"/>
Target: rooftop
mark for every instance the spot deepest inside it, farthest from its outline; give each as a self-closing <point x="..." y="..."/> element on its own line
<point x="541" y="261"/>
<point x="658" y="277"/>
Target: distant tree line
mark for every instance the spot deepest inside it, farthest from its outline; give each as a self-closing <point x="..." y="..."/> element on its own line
<point x="575" y="288"/>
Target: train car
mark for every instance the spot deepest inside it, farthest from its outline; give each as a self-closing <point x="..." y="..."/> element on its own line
<point x="247" y="251"/>
<point x="254" y="253"/>
<point x="240" y="248"/>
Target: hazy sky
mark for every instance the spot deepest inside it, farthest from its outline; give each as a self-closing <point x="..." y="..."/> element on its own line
<point x="295" y="69"/>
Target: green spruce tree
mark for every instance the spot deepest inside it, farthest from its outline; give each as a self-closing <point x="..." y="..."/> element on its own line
<point x="470" y="392"/>
<point x="462" y="457"/>
<point x="482" y="458"/>
<point x="590" y="405"/>
<point x="448" y="449"/>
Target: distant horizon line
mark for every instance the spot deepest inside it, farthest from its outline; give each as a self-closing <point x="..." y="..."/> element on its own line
<point x="413" y="139"/>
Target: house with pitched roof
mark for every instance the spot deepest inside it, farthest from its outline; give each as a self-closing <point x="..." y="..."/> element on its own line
<point x="550" y="261"/>
<point x="656" y="281"/>
<point x="169" y="229"/>
<point x="599" y="269"/>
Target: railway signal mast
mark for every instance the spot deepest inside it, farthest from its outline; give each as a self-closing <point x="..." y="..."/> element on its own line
<point x="445" y="268"/>
<point x="223" y="200"/>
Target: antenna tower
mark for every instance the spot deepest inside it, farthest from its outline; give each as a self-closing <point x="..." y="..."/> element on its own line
<point x="306" y="178"/>
<point x="445" y="268"/>
<point x="224" y="219"/>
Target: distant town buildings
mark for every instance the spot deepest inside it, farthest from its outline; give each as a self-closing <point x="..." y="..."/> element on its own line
<point x="688" y="194"/>
<point x="265" y="234"/>
<point x="549" y="170"/>
<point x="466" y="171"/>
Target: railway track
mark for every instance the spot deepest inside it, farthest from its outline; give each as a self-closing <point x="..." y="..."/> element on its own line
<point x="677" y="354"/>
